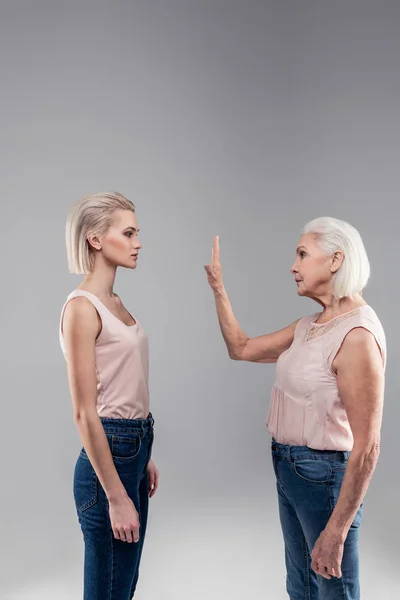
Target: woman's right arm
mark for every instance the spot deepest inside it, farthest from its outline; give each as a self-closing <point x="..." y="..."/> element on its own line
<point x="80" y="330"/>
<point x="262" y="349"/>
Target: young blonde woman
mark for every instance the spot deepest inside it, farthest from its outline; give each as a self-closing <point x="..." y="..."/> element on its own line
<point x="106" y="351"/>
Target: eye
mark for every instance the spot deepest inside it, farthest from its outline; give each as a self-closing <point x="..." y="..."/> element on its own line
<point x="302" y="254"/>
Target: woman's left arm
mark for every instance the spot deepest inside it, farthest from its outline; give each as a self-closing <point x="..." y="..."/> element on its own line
<point x="360" y="379"/>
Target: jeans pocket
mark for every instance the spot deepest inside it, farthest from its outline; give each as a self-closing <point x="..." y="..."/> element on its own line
<point x="125" y="447"/>
<point x="317" y="472"/>
<point x="85" y="485"/>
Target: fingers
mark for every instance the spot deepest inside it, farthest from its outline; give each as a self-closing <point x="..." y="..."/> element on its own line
<point x="153" y="482"/>
<point x="215" y="250"/>
<point x="336" y="572"/>
<point x="136" y="534"/>
<point x="320" y="570"/>
<point x="326" y="572"/>
<point x="154" y="485"/>
<point x="127" y="534"/>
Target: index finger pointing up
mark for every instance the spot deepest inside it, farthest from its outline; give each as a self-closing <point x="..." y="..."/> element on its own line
<point x="215" y="250"/>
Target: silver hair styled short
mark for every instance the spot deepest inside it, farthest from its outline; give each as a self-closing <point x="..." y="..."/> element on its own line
<point x="90" y="215"/>
<point x="334" y="235"/>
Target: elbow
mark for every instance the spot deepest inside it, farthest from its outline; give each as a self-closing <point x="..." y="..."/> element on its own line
<point x="238" y="352"/>
<point x="83" y="416"/>
<point x="235" y="354"/>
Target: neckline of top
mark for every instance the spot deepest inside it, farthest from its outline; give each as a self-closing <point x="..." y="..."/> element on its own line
<point x="345" y="314"/>
<point x="133" y="326"/>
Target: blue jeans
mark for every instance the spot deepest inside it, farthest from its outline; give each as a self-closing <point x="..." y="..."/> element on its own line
<point x="111" y="568"/>
<point x="308" y="484"/>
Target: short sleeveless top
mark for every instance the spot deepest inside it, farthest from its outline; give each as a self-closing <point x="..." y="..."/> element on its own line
<point x="122" y="364"/>
<point x="306" y="409"/>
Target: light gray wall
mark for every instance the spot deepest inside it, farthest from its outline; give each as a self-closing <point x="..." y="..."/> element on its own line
<point x="239" y="118"/>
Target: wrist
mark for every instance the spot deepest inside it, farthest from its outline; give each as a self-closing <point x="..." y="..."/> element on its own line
<point x="117" y="496"/>
<point x="219" y="291"/>
<point x="336" y="531"/>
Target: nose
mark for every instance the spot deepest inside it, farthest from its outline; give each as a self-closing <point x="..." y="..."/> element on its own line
<point x="293" y="268"/>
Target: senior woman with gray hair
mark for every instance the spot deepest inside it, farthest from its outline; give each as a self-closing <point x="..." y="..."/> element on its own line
<point x="326" y="407"/>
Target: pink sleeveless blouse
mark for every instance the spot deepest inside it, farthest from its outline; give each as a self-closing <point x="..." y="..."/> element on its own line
<point x="122" y="364"/>
<point x="306" y="409"/>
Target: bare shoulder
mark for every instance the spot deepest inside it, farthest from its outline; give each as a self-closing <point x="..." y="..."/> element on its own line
<point x="360" y="338"/>
<point x="359" y="348"/>
<point x="80" y="317"/>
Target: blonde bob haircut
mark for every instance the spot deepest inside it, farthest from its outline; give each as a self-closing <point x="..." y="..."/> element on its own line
<point x="334" y="235"/>
<point x="91" y="215"/>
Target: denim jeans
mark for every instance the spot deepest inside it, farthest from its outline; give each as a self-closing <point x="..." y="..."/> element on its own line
<point x="308" y="484"/>
<point x="111" y="567"/>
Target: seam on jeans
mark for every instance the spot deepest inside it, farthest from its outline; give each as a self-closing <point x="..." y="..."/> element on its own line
<point x="344" y="586"/>
<point x="306" y="568"/>
<point x="111" y="587"/>
<point x="344" y="596"/>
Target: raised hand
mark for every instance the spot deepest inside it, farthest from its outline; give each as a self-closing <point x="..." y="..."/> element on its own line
<point x="214" y="270"/>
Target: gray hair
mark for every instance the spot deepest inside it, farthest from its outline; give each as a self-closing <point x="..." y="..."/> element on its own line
<point x="334" y="235"/>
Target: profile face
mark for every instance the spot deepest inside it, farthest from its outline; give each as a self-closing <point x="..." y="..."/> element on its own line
<point x="312" y="268"/>
<point x="120" y="245"/>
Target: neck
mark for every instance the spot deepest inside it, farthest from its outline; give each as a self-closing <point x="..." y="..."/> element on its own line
<point x="333" y="306"/>
<point x="101" y="281"/>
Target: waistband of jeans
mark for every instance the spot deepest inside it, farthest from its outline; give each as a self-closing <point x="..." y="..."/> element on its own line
<point x="111" y="425"/>
<point x="305" y="452"/>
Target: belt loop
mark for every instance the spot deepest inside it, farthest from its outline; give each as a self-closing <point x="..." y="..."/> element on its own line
<point x="289" y="456"/>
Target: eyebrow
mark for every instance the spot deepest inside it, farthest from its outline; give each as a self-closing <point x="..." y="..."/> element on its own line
<point x="132" y="228"/>
<point x="300" y="247"/>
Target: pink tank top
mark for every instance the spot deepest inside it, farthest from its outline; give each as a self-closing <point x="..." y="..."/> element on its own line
<point x="306" y="409"/>
<point x="122" y="364"/>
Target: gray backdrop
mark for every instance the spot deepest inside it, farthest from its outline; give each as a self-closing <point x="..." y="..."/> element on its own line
<point x="239" y="118"/>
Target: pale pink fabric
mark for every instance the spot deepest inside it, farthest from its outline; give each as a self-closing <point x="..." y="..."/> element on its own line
<point x="306" y="409"/>
<point x="122" y="364"/>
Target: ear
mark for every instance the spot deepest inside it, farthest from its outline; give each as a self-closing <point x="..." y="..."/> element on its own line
<point x="93" y="241"/>
<point x="336" y="261"/>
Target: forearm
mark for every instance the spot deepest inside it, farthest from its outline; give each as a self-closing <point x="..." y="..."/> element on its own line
<point x="359" y="471"/>
<point x="234" y="337"/>
<point x="95" y="442"/>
